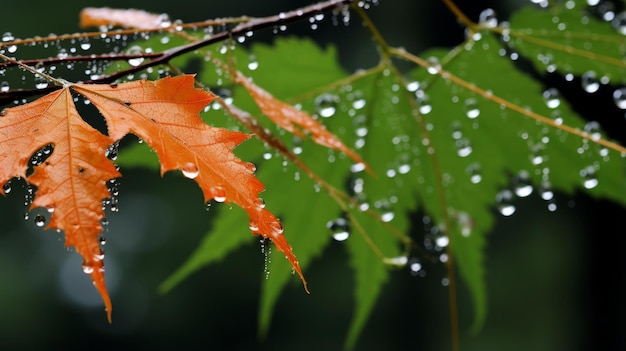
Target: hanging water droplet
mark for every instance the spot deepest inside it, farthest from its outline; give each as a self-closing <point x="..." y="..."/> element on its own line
<point x="111" y="151"/>
<point x="190" y="170"/>
<point x="473" y="170"/>
<point x="278" y="228"/>
<point x="592" y="128"/>
<point x="326" y="105"/>
<point x="423" y="101"/>
<point x="7" y="187"/>
<point x="415" y="267"/>
<point x="40" y="220"/>
<point x="4" y="86"/>
<point x="619" y="96"/>
<point x="260" y="203"/>
<point x="254" y="227"/>
<point x="471" y="108"/>
<point x="435" y="66"/>
<point x="339" y="229"/>
<point x="87" y="269"/>
<point x="504" y="201"/>
<point x="522" y="185"/>
<point x="488" y="18"/>
<point x="218" y="192"/>
<point x="551" y="97"/>
<point x="7" y="36"/>
<point x="590" y="82"/>
<point x="387" y="216"/>
<point x="135" y="50"/>
<point x="103" y="240"/>
<point x="464" y="147"/>
<point x="590" y="179"/>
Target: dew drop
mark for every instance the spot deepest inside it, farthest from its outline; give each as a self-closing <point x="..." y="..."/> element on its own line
<point x="254" y="227"/>
<point x="522" y="185"/>
<point x="7" y="187"/>
<point x="218" y="192"/>
<point x="551" y="97"/>
<point x="435" y="66"/>
<point x="40" y="220"/>
<point x="87" y="269"/>
<point x="339" y="229"/>
<point x="588" y="174"/>
<point x="4" y="86"/>
<point x="442" y="241"/>
<point x="473" y="170"/>
<point x="399" y="261"/>
<point x="326" y="105"/>
<point x="488" y="18"/>
<point x="590" y="82"/>
<point x="619" y="96"/>
<point x="260" y="203"/>
<point x="415" y="267"/>
<point x="387" y="216"/>
<point x="471" y="108"/>
<point x="190" y="170"/>
<point x="504" y="200"/>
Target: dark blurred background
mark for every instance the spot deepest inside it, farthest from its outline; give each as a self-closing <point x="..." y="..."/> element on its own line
<point x="555" y="279"/>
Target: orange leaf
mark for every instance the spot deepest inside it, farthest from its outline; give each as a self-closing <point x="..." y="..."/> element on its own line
<point x="164" y="114"/>
<point x="128" y="18"/>
<point x="286" y="116"/>
<point x="71" y="182"/>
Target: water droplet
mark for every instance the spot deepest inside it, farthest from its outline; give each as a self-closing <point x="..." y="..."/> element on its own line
<point x="7" y="187"/>
<point x="260" y="203"/>
<point x="103" y="240"/>
<point x="253" y="225"/>
<point x="522" y="185"/>
<point x="40" y="220"/>
<point x="588" y="174"/>
<point x="415" y="267"/>
<point x="399" y="261"/>
<point x="218" y="192"/>
<point x="619" y="22"/>
<point x="7" y="36"/>
<point x="326" y="105"/>
<point x="442" y="241"/>
<point x="464" y="147"/>
<point x="504" y="200"/>
<point x="435" y="66"/>
<point x="278" y="228"/>
<point x="473" y="170"/>
<point x="190" y="170"/>
<point x="488" y="18"/>
<point x="471" y="108"/>
<point x="592" y="128"/>
<point x="590" y="82"/>
<point x="551" y="97"/>
<point x="135" y="50"/>
<point x="4" y="86"/>
<point x="87" y="269"/>
<point x="619" y="96"/>
<point x="387" y="216"/>
<point x="339" y="229"/>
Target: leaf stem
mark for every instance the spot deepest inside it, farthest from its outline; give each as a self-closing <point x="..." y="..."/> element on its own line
<point x="490" y="96"/>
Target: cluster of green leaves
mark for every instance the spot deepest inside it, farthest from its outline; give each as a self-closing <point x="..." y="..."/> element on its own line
<point x="463" y="133"/>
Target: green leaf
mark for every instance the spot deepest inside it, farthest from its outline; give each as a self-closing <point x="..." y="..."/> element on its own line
<point x="571" y="41"/>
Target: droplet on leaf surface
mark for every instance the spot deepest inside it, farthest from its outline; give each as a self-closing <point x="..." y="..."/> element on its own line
<point x="190" y="170"/>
